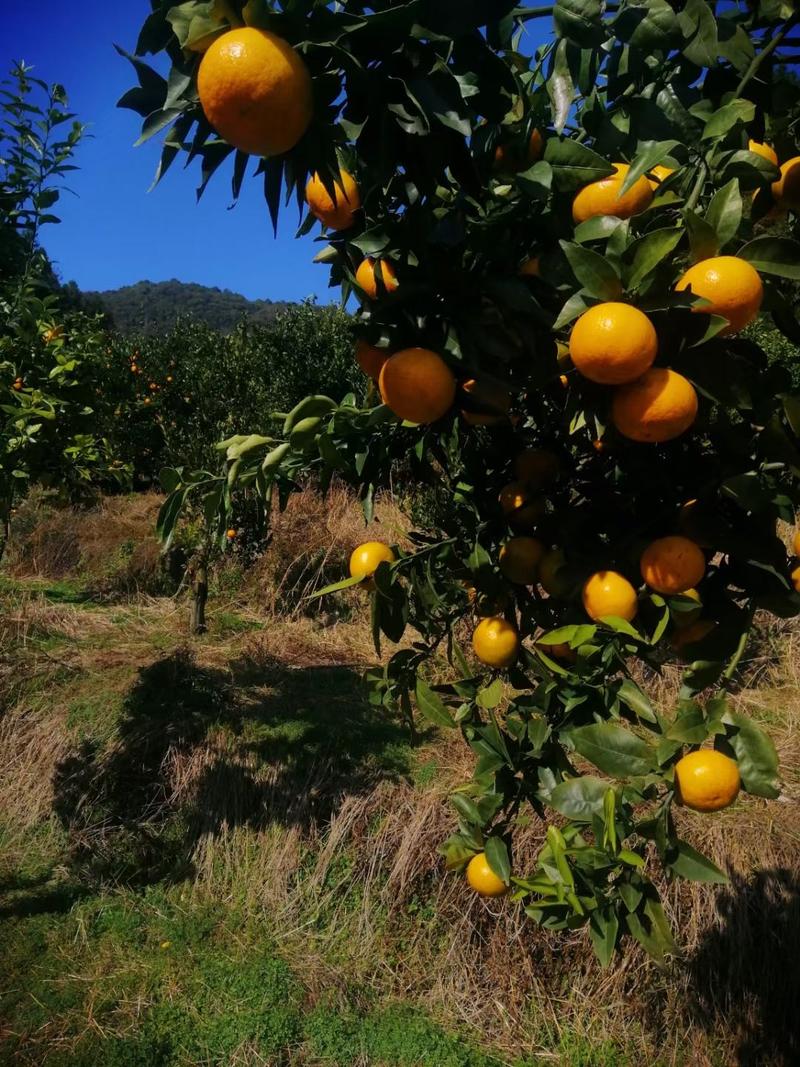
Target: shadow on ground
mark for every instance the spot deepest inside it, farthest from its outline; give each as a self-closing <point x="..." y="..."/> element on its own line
<point x="745" y="972"/>
<point x="199" y="749"/>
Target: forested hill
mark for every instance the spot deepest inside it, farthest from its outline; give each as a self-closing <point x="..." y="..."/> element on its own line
<point x="152" y="307"/>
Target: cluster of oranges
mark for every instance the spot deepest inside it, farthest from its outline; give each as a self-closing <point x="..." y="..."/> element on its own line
<point x="256" y="92"/>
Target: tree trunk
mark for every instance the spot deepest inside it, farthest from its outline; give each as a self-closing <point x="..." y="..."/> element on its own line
<point x="198" y="623"/>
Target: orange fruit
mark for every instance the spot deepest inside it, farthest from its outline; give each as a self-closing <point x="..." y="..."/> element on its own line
<point x="786" y="190"/>
<point x="672" y="565"/>
<point x="520" y="558"/>
<point x="496" y="642"/>
<point x="609" y="593"/>
<point x="684" y="619"/>
<point x="509" y="158"/>
<point x="520" y="506"/>
<point x="255" y="91"/>
<point x="764" y="150"/>
<point x="231" y="535"/>
<point x="417" y="385"/>
<point x="492" y="401"/>
<point x="531" y="268"/>
<point x="337" y="212"/>
<point x="482" y="878"/>
<point x="371" y="359"/>
<point x="661" y="405"/>
<point x="367" y="278"/>
<point x="551" y="579"/>
<point x="365" y="559"/>
<point x="731" y="286"/>
<point x="707" y="780"/>
<point x="536" y="467"/>
<point x="659" y="175"/>
<point x="692" y="634"/>
<point x="602" y="198"/>
<point x="795" y="578"/>
<point x="613" y="344"/>
<point x="53" y="334"/>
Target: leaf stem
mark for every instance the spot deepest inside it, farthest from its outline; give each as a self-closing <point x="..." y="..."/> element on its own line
<point x="767" y="51"/>
<point x="697" y="189"/>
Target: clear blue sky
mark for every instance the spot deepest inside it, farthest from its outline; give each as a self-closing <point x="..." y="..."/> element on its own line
<point x="114" y="232"/>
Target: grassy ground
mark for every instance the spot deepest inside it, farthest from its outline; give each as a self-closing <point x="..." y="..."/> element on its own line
<point x="218" y="853"/>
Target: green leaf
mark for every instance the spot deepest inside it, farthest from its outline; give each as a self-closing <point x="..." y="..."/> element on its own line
<point x="593" y="271"/>
<point x="773" y="255"/>
<point x="580" y="21"/>
<point x="604" y="930"/>
<point x="560" y="86"/>
<point x="648" y="26"/>
<point x="632" y="696"/>
<point x="723" y="120"/>
<point x="491" y="695"/>
<point x="170" y="479"/>
<point x="650" y="154"/>
<point x="699" y="24"/>
<point x="575" y="635"/>
<point x="703" y="239"/>
<point x="648" y="924"/>
<point x="724" y="213"/>
<point x="345" y="583"/>
<point x="579" y="798"/>
<point x="466" y="809"/>
<point x="648" y="252"/>
<point x="497" y="855"/>
<point x="614" y="750"/>
<point x="432" y="706"/>
<point x="574" y="164"/>
<point x="755" y="754"/>
<point x="687" y="863"/>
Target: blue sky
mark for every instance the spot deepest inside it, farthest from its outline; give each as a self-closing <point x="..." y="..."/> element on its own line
<point x="114" y="232"/>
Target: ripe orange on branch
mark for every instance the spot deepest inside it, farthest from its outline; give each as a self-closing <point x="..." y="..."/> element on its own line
<point x="522" y="509"/>
<point x="609" y="593"/>
<point x="496" y="642"/>
<point x="613" y="344"/>
<point x="417" y="385"/>
<point x="255" y="91"/>
<point x="786" y="190"/>
<point x="766" y="151"/>
<point x="661" y="405"/>
<point x="731" y="286"/>
<point x="337" y="212"/>
<point x="536" y="467"/>
<point x="520" y="558"/>
<point x="482" y="878"/>
<point x="367" y="276"/>
<point x="366" y="559"/>
<point x="672" y="565"/>
<point x="603" y="197"/>
<point x="707" y="780"/>
<point x="509" y="159"/>
<point x="371" y="359"/>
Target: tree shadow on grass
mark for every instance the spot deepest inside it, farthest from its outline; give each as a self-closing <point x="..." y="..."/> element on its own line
<point x="745" y="971"/>
<point x="199" y="750"/>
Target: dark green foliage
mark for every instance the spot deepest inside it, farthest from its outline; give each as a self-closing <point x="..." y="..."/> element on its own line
<point x="155" y="307"/>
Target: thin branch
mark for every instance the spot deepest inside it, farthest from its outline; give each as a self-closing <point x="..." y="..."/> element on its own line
<point x="752" y="70"/>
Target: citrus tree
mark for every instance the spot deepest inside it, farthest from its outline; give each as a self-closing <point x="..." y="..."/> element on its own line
<point x="556" y="223"/>
<point x="47" y="389"/>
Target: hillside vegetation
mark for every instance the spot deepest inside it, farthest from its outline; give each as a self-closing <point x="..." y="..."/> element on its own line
<point x="154" y="307"/>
